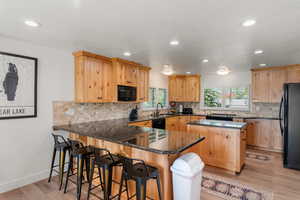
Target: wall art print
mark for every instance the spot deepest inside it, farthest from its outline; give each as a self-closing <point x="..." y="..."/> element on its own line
<point x="18" y="86"/>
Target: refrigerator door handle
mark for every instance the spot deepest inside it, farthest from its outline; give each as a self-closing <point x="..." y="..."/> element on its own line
<point x="280" y="115"/>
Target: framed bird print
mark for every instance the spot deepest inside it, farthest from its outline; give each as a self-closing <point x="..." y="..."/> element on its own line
<point x="18" y="86"/>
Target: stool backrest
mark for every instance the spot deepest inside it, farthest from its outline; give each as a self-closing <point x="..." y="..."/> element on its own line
<point x="58" y="139"/>
<point x="100" y="152"/>
<point x="75" y="145"/>
<point x="128" y="164"/>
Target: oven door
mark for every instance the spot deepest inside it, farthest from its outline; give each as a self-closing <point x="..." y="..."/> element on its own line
<point x="126" y="93"/>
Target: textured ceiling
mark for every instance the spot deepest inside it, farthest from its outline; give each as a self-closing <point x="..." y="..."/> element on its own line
<point x="205" y="28"/>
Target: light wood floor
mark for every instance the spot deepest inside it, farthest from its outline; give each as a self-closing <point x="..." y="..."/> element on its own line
<point x="269" y="176"/>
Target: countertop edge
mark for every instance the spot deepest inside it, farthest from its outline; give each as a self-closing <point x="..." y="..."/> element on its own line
<point x="209" y="125"/>
<point x="55" y="128"/>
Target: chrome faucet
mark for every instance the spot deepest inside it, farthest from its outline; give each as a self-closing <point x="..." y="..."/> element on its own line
<point x="156" y="113"/>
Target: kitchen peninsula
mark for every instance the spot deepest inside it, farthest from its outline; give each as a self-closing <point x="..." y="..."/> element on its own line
<point x="156" y="147"/>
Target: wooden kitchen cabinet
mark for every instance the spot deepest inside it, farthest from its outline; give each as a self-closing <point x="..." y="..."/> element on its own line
<point x="184" y="88"/>
<point x="264" y="134"/>
<point x="93" y="79"/>
<point x="97" y="77"/>
<point x="260" y="86"/>
<point x="222" y="147"/>
<point x="267" y="83"/>
<point x="126" y="72"/>
<point x="294" y="74"/>
<point x="179" y="123"/>
<point x="172" y="124"/>
<point x="143" y="84"/>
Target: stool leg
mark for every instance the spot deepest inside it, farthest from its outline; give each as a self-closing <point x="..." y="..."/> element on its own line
<point x="107" y="181"/>
<point x="121" y="184"/>
<point x="62" y="167"/>
<point x="126" y="184"/>
<point x="91" y="175"/>
<point x="87" y="167"/>
<point x="52" y="164"/>
<point x="141" y="189"/>
<point x="70" y="165"/>
<point x="158" y="187"/>
<point x="100" y="177"/>
<point x="79" y="175"/>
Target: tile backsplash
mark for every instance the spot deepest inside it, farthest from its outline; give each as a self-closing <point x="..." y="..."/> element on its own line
<point x="65" y="112"/>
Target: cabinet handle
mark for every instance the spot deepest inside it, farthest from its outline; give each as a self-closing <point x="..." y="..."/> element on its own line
<point x="129" y="82"/>
<point x="99" y="98"/>
<point x="227" y="137"/>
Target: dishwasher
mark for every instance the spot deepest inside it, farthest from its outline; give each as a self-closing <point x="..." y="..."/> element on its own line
<point x="159" y="123"/>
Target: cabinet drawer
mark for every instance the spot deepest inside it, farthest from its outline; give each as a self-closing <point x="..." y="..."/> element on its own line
<point x="147" y="123"/>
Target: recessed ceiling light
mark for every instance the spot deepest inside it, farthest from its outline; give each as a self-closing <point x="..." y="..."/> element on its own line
<point x="188" y="72"/>
<point x="167" y="70"/>
<point x="258" y="51"/>
<point x="223" y="70"/>
<point x="249" y="22"/>
<point x="262" y="65"/>
<point x="205" y="60"/>
<point x="32" y="23"/>
<point x="174" y="42"/>
<point x="127" y="53"/>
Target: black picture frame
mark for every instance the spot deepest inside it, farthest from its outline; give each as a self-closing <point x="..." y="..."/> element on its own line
<point x="35" y="76"/>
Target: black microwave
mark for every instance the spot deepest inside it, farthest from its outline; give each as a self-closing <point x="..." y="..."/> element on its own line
<point x="126" y="93"/>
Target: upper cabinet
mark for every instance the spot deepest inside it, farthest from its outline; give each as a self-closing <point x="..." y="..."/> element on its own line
<point x="143" y="84"/>
<point x="184" y="88"/>
<point x="267" y="83"/>
<point x="126" y="72"/>
<point x="97" y="77"/>
<point x="93" y="78"/>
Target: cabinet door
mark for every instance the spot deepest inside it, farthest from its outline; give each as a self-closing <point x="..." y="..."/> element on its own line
<point x="147" y="123"/>
<point x="179" y="90"/>
<point x="277" y="140"/>
<point x="223" y="151"/>
<point x="261" y="135"/>
<point x="182" y="123"/>
<point x="260" y="86"/>
<point x="172" y="124"/>
<point x="93" y="75"/>
<point x="172" y="88"/>
<point x="108" y="88"/>
<point x="277" y="79"/>
<point x="294" y="75"/>
<point x="130" y="75"/>
<point x="192" y="89"/>
<point x="143" y="85"/>
<point x="195" y="118"/>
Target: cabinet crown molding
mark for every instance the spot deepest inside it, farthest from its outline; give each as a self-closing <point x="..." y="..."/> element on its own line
<point x="294" y="66"/>
<point x="88" y="54"/>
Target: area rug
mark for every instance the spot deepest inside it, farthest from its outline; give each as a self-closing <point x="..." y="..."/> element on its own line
<point x="229" y="189"/>
<point x="258" y="156"/>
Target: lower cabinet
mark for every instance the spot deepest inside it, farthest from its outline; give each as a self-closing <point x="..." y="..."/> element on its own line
<point x="222" y="147"/>
<point x="179" y="123"/>
<point x="264" y="134"/>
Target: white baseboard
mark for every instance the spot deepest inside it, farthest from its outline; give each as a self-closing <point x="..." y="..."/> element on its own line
<point x="24" y="181"/>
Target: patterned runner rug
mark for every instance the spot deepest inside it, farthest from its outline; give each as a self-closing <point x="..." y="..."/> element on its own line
<point x="258" y="156"/>
<point x="229" y="189"/>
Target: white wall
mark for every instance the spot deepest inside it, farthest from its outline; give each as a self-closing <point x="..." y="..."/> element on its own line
<point x="25" y="144"/>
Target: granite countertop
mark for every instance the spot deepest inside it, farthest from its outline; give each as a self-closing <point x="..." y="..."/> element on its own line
<point x="244" y="116"/>
<point x="148" y="139"/>
<point x="218" y="123"/>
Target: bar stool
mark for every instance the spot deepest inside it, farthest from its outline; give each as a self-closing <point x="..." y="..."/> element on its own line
<point x="61" y="145"/>
<point x="137" y="170"/>
<point x="82" y="155"/>
<point x="105" y="161"/>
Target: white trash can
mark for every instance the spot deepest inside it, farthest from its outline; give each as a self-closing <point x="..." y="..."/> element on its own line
<point x="187" y="177"/>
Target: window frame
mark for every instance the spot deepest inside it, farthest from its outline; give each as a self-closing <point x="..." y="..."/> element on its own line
<point x="156" y="93"/>
<point x="202" y="105"/>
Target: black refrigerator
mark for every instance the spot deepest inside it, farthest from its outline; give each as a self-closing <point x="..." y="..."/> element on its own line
<point x="289" y="116"/>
